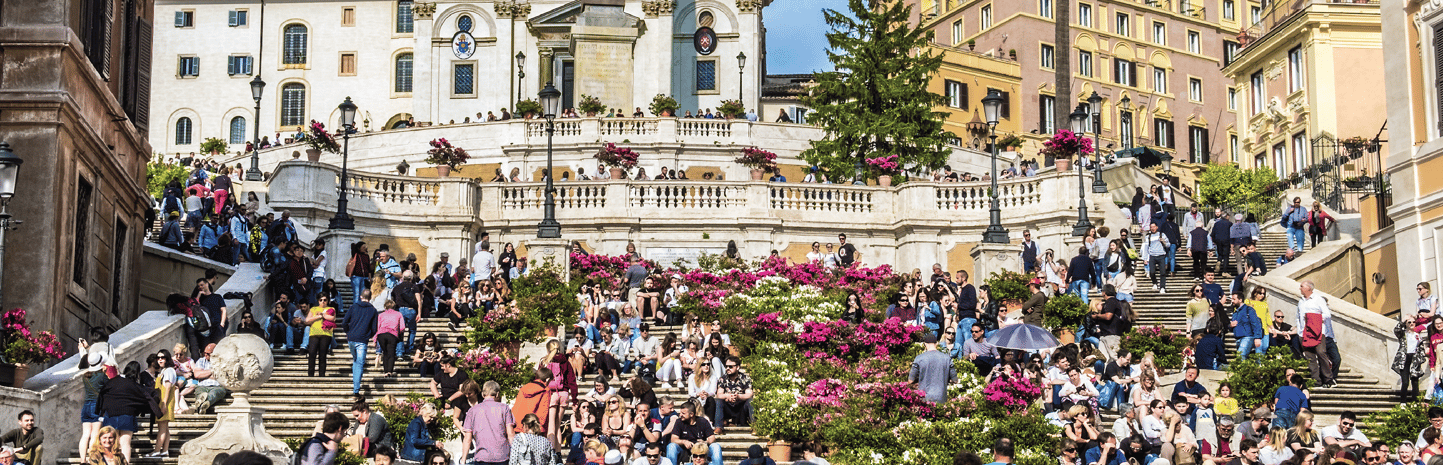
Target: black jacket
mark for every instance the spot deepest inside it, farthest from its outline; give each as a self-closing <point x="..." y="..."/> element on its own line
<point x="122" y="396"/>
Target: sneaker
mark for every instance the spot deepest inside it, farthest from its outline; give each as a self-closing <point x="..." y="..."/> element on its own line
<point x="1162" y="291"/>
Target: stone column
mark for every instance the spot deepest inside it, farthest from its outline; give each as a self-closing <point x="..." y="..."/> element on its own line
<point x="338" y="246"/>
<point x="603" y="41"/>
<point x="426" y="65"/>
<point x="549" y="252"/>
<point x="548" y="59"/>
<point x="750" y="27"/>
<point x="990" y="258"/>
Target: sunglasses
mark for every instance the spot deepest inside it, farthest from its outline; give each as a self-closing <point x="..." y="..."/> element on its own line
<point x="653" y="456"/>
<point x="731" y="366"/>
<point x="612" y="402"/>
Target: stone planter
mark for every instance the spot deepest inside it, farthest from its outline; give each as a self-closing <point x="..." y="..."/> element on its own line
<point x="618" y="174"/>
<point x="313" y="155"/>
<point x="884" y="181"/>
<point x="758" y="175"/>
<point x="443" y="170"/>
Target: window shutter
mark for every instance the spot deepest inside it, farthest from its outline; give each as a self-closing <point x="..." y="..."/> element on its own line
<point x="1438" y="72"/>
<point x="230" y="63"/>
<point x="1042" y="114"/>
<point x="964" y="96"/>
<point x="195" y="66"/>
<point x="249" y="61"/>
<point x="1132" y="74"/>
<point x="1006" y="105"/>
<point x="232" y="20"/>
<point x="1206" y="154"/>
<point x="143" y="34"/>
<point x="180" y="19"/>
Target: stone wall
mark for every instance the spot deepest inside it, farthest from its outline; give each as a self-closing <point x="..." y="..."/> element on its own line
<point x="168" y="271"/>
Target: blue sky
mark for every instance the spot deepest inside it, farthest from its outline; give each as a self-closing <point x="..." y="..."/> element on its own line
<point x="796" y="35"/>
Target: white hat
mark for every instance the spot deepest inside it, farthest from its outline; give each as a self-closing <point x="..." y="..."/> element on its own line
<point x="613" y="457"/>
<point x="94" y="361"/>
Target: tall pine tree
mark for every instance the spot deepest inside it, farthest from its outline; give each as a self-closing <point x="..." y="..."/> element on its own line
<point x="876" y="102"/>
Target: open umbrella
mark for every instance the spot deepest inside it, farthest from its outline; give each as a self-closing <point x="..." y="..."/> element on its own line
<point x="1023" y="337"/>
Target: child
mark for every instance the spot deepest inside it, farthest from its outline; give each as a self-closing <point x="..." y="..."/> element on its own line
<point x="1225" y="405"/>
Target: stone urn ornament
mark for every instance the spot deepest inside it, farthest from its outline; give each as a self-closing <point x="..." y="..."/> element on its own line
<point x="242" y="363"/>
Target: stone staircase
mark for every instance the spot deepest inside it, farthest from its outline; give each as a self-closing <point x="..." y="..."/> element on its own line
<point x="294" y="401"/>
<point x="1354" y="392"/>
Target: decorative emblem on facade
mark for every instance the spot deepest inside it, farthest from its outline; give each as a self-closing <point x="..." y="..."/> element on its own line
<point x="463" y="45"/>
<point x="1274" y="69"/>
<point x="748" y="6"/>
<point x="422" y="10"/>
<point x="512" y="9"/>
<point x="656" y="8"/>
<point x="704" y="40"/>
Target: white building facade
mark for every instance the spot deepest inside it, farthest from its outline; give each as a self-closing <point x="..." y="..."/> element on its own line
<point x="436" y="63"/>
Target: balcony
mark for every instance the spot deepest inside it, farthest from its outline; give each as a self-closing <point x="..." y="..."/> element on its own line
<point x="1278" y="14"/>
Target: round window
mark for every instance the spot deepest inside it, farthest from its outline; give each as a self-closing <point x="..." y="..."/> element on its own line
<point x="464" y="23"/>
<point x="705" y="19"/>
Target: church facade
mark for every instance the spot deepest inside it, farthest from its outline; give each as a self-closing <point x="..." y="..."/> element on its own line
<point x="404" y="61"/>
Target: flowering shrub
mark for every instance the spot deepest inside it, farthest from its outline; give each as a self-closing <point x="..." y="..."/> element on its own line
<point x="731" y="108"/>
<point x="1166" y="345"/>
<point x="1066" y="144"/>
<point x="320" y="139"/>
<point x="485" y="366"/>
<point x="1012" y="393"/>
<point x="501" y="326"/>
<point x="443" y="153"/>
<point x="617" y="157"/>
<point x="590" y="105"/>
<point x="758" y="159"/>
<point x="663" y="103"/>
<point x="25" y="347"/>
<point x="886" y="165"/>
<point x="399" y="416"/>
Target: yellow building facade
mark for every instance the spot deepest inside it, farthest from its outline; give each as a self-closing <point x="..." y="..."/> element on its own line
<point x="964" y="79"/>
<point x="1301" y="73"/>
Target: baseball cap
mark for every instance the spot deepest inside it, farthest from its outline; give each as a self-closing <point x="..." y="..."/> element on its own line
<point x="1262" y="413"/>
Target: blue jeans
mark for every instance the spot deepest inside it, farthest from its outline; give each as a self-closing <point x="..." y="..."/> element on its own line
<point x="1285" y="419"/>
<point x="1079" y="287"/>
<point x="1172" y="259"/>
<point x="357" y="284"/>
<point x="1295" y="238"/>
<point x="1099" y="269"/>
<point x="964" y="328"/>
<point x="1125" y="297"/>
<point x="714" y="450"/>
<point x="235" y="252"/>
<point x="1245" y="346"/>
<point x="358" y="363"/>
<point x="410" y="315"/>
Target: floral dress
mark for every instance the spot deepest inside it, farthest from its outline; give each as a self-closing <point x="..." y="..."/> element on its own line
<point x="531" y="449"/>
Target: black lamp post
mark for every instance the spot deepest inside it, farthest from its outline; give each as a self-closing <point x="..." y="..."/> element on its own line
<point x="9" y="173"/>
<point x="342" y="220"/>
<point x="520" y="73"/>
<point x="1126" y="121"/>
<point x="254" y="174"/>
<point x="551" y="105"/>
<point x="1079" y="123"/>
<point x="741" y="67"/>
<point x="1098" y="185"/>
<point x="995" y="234"/>
<point x="1167" y="164"/>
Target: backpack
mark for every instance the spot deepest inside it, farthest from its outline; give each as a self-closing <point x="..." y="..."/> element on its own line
<point x="300" y="454"/>
<point x="199" y="318"/>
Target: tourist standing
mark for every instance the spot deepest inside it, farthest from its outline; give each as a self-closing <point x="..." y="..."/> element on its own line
<point x="360" y="324"/>
<point x="1312" y="313"/>
<point x="322" y="322"/>
<point x="489" y="428"/>
<point x="1155" y="245"/>
<point x="1221" y="241"/>
<point x="932" y="370"/>
<point x="1295" y="219"/>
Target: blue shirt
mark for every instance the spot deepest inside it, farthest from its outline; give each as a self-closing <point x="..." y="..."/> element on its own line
<point x="1290" y="398"/>
<point x="390" y="266"/>
<point x="207" y="238"/>
<point x="418" y="441"/>
<point x="1248" y="323"/>
<point x="1095" y="453"/>
<point x="1213" y="292"/>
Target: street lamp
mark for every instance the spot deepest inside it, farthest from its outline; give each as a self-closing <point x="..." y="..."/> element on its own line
<point x="551" y="105"/>
<point x="1098" y="185"/>
<point x="9" y="172"/>
<point x="1167" y="164"/>
<point x="1079" y="124"/>
<point x="342" y="220"/>
<point x="254" y="174"/>
<point x="741" y="67"/>
<point x="520" y="73"/>
<point x="991" y="105"/>
<point x="1125" y="122"/>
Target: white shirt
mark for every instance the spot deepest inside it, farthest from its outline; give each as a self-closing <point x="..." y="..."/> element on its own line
<point x="814" y="257"/>
<point x="829" y="259"/>
<point x="483" y="265"/>
<point x="1315" y="304"/>
<point x="1336" y="433"/>
<point x="662" y="461"/>
<point x="1152" y="428"/>
<point x="646" y="347"/>
<point x="320" y="273"/>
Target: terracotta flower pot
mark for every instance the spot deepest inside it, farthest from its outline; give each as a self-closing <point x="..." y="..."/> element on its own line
<point x="443" y="170"/>
<point x="550" y="331"/>
<point x="1063" y="164"/>
<point x="1066" y="336"/>
<point x="313" y="155"/>
<point x="618" y="173"/>
<point x="884" y="181"/>
<point x="22" y="372"/>
<point x="779" y="451"/>
<point x="758" y="175"/>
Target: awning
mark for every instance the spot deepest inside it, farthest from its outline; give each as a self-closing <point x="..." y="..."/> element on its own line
<point x="1146" y="156"/>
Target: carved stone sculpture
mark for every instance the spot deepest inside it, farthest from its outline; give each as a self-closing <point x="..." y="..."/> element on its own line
<point x="242" y="363"/>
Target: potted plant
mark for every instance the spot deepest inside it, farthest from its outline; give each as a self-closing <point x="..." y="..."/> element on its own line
<point x="663" y="105"/>
<point x="884" y="167"/>
<point x="971" y="44"/>
<point x="1359" y="181"/>
<point x="213" y="145"/>
<point x="24" y="347"/>
<point x="320" y="140"/>
<point x="543" y="295"/>
<point x="445" y="156"/>
<point x="1012" y="54"/>
<point x="1010" y="142"/>
<point x="529" y="108"/>
<point x="760" y="161"/>
<point x="1063" y="146"/>
<point x="590" y="105"/>
<point x="732" y="109"/>
<point x="1064" y="313"/>
<point x="1354" y="145"/>
<point x="1009" y="288"/>
<point x="503" y="329"/>
<point x="620" y="159"/>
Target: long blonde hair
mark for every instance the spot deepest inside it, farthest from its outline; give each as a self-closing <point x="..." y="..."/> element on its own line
<point x="552" y="348"/>
<point x="696" y="374"/>
<point x="96" y="453"/>
<point x="1305" y="433"/>
<point x="1277" y="439"/>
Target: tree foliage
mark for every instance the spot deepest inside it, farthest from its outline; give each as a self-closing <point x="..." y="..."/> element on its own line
<point x="1239" y="189"/>
<point x="160" y="174"/>
<point x="1255" y="379"/>
<point x="1399" y="424"/>
<point x="876" y="102"/>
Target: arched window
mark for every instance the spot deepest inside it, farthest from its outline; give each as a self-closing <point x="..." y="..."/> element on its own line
<point x="403" y="72"/>
<point x="404" y="24"/>
<point x="182" y="131"/>
<point x="294" y="43"/>
<point x="464" y="23"/>
<point x="238" y="130"/>
<point x="293" y="105"/>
